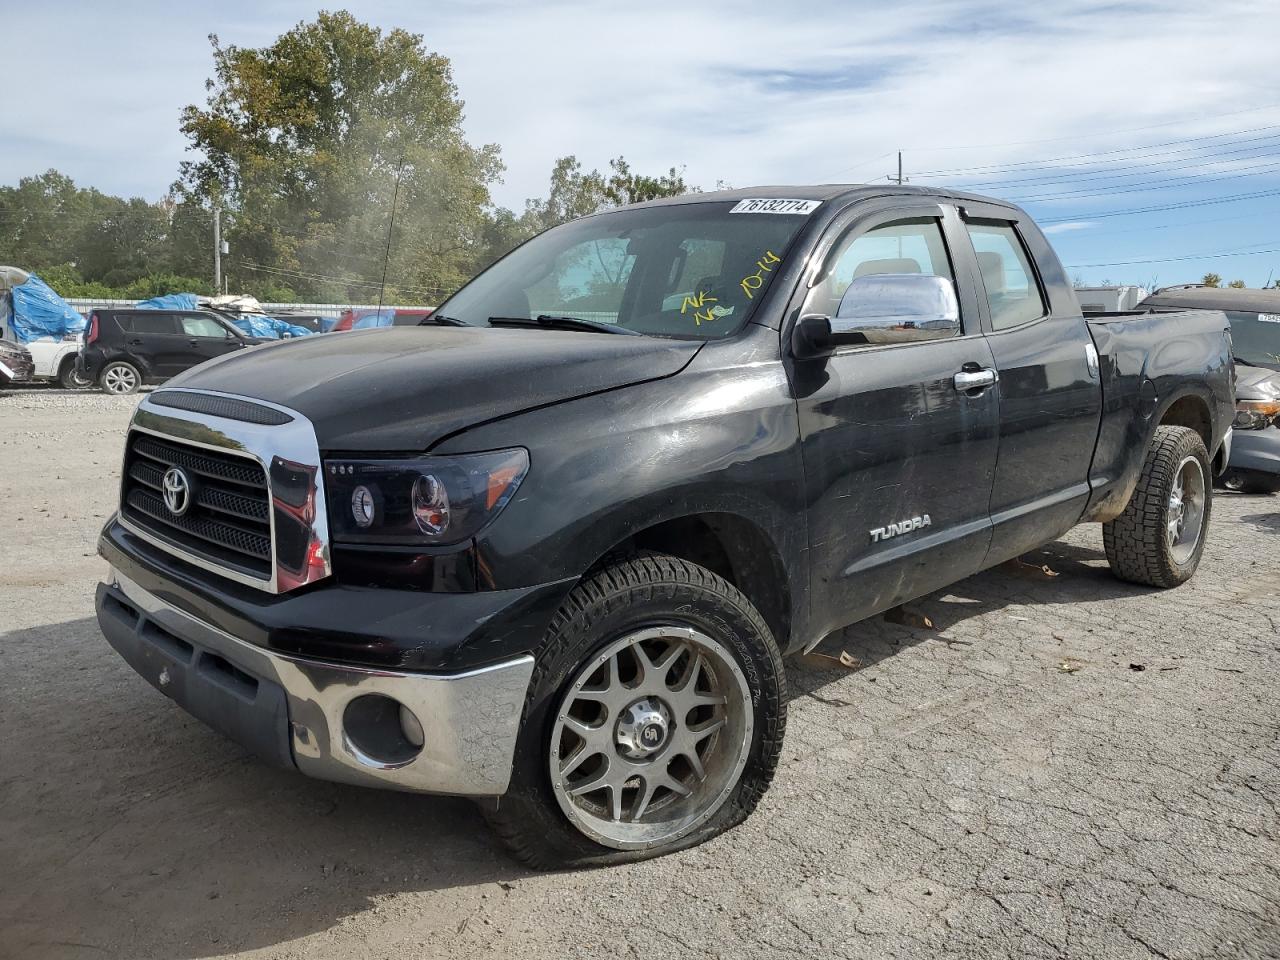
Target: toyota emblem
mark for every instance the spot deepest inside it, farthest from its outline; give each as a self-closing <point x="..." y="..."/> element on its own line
<point x="177" y="491"/>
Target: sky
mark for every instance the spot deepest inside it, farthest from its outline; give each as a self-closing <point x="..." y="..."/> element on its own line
<point x="1083" y="111"/>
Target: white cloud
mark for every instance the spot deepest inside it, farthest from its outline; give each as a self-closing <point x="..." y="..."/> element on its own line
<point x="746" y="93"/>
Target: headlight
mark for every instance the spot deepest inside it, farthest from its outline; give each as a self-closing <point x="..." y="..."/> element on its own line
<point x="1255" y="414"/>
<point x="434" y="500"/>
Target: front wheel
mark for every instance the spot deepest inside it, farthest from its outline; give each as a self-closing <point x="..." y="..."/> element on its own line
<point x="653" y="722"/>
<point x="1159" y="538"/>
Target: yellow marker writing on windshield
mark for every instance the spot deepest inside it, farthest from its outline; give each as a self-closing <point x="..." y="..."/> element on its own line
<point x="754" y="281"/>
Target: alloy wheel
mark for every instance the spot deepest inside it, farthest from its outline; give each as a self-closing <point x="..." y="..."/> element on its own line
<point x="651" y="737"/>
<point x="1185" y="517"/>
<point x="120" y="380"/>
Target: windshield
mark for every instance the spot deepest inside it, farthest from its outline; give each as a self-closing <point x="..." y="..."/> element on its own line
<point x="1255" y="338"/>
<point x="683" y="270"/>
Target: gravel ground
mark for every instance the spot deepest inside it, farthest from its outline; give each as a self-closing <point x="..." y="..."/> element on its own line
<point x="1064" y="767"/>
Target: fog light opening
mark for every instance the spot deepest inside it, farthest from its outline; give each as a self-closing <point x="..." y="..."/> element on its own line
<point x="383" y="732"/>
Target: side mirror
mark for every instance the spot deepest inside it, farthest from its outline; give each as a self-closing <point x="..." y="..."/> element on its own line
<point x="883" y="308"/>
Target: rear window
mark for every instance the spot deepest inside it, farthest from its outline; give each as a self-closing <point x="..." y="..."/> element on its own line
<point x="1255" y="338"/>
<point x="148" y="322"/>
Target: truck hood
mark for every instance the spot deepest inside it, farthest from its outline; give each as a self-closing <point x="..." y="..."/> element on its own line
<point x="406" y="388"/>
<point x="1257" y="383"/>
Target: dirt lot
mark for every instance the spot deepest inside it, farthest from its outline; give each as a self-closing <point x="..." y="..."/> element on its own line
<point x="1066" y="767"/>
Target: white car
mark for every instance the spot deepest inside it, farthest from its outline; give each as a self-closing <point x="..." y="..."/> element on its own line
<point x="54" y="359"/>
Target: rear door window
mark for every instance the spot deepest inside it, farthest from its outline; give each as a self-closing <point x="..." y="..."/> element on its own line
<point x="1012" y="290"/>
<point x="149" y="323"/>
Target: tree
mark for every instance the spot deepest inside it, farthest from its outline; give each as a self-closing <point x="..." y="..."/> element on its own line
<point x="575" y="193"/>
<point x="1236" y="284"/>
<point x="1211" y="280"/>
<point x="313" y="144"/>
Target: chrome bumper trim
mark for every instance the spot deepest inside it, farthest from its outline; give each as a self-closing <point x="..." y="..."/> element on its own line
<point x="470" y="719"/>
<point x="285" y="453"/>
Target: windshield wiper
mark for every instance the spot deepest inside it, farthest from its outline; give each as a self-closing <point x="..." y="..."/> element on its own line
<point x="551" y="321"/>
<point x="440" y="320"/>
<point x="1244" y="363"/>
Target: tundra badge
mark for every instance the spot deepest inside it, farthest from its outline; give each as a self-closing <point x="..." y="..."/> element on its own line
<point x="902" y="526"/>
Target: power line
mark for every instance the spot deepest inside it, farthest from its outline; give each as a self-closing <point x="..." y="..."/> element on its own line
<point x="1200" y="256"/>
<point x="1171" y="184"/>
<point x="1101" y="133"/>
<point x="1169" y="226"/>
<point x="1136" y="170"/>
<point x="1257" y="195"/>
<point x="352" y="281"/>
<point x="1013" y="167"/>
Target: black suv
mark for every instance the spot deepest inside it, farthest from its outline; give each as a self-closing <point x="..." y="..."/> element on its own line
<point x="124" y="349"/>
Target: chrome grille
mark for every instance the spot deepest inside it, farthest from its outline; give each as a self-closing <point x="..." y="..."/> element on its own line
<point x="229" y="519"/>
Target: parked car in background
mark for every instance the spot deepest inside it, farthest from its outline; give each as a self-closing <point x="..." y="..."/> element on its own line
<point x="126" y="348"/>
<point x="363" y="318"/>
<point x="16" y="364"/>
<point x="33" y="316"/>
<point x="1254" y="316"/>
<point x="1109" y="299"/>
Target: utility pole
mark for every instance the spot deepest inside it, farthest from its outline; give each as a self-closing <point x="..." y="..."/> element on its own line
<point x="899" y="179"/>
<point x="217" y="249"/>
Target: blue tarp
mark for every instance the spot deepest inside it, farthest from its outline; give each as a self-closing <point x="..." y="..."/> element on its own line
<point x="267" y="328"/>
<point x="39" y="312"/>
<point x="375" y="318"/>
<point x="171" y="301"/>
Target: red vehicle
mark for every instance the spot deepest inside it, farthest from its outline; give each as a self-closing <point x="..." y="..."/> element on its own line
<point x="398" y="318"/>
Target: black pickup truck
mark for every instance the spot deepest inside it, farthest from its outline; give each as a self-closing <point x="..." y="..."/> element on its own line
<point x="550" y="548"/>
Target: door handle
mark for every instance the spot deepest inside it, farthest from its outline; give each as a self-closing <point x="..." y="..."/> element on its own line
<point x="135" y="342"/>
<point x="975" y="379"/>
<point x="194" y="342"/>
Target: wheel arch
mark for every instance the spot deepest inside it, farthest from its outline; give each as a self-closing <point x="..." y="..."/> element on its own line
<point x="730" y="546"/>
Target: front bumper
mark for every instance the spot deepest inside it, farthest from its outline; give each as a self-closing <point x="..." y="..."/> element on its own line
<point x="326" y="720"/>
<point x="14" y="370"/>
<point x="1257" y="450"/>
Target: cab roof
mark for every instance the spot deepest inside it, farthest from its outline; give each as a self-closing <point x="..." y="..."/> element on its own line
<point x="1217" y="298"/>
<point x="822" y="191"/>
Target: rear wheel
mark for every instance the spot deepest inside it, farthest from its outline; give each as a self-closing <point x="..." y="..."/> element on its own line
<point x="654" y="719"/>
<point x="120" y="378"/>
<point x="1159" y="538"/>
<point x="68" y="378"/>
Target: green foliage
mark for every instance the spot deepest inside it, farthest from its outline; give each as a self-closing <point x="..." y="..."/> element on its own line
<point x="311" y="147"/>
<point x="67" y="281"/>
<point x="307" y="144"/>
<point x="1211" y="280"/>
<point x="1236" y="284"/>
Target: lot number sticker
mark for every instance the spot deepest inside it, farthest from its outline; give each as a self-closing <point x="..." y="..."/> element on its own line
<point x="776" y="205"/>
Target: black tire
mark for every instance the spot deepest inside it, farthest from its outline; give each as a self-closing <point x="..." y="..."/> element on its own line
<point x="116" y="377"/>
<point x="1137" y="543"/>
<point x="68" y="379"/>
<point x="620" y="598"/>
